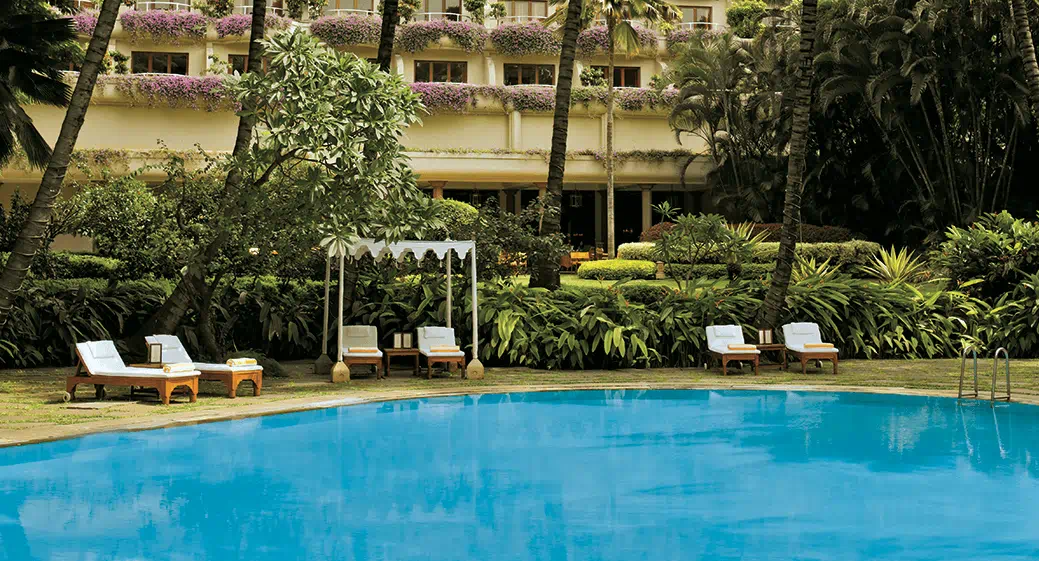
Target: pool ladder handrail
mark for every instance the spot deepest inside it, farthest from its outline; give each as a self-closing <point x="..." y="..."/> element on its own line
<point x="963" y="371"/>
<point x="995" y="371"/>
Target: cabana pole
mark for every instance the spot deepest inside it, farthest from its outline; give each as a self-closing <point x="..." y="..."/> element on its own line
<point x="475" y="368"/>
<point x="340" y="372"/>
<point x="449" y="287"/>
<point x="323" y="364"/>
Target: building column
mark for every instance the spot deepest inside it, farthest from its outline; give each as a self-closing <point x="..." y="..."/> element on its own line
<point x="600" y="234"/>
<point x="542" y="189"/>
<point x="515" y="131"/>
<point x="438" y="189"/>
<point x="518" y="201"/>
<point x="647" y="207"/>
<point x="489" y="69"/>
<point x="503" y="203"/>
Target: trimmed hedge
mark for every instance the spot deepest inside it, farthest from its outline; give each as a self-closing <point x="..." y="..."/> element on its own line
<point x="809" y="233"/>
<point x="616" y="269"/>
<point x="68" y="265"/>
<point x="717" y="271"/>
<point x="851" y="253"/>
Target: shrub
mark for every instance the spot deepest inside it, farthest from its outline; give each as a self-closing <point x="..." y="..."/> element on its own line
<point x="416" y="37"/>
<point x="744" y="17"/>
<point x="592" y="77"/>
<point x="458" y="218"/>
<point x="596" y="39"/>
<point x="475" y="9"/>
<point x="348" y="30"/>
<point x="644" y="251"/>
<point x="67" y="265"/>
<point x="194" y="92"/>
<point x="854" y="253"/>
<point x="217" y="8"/>
<point x="998" y="249"/>
<point x="616" y="269"/>
<point x="85" y="22"/>
<point x="240" y="24"/>
<point x="808" y="233"/>
<point x="525" y="39"/>
<point x="164" y="26"/>
<point x="655" y="231"/>
<point x="719" y="271"/>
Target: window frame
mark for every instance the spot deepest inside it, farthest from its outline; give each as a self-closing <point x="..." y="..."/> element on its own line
<point x="510" y="7"/>
<point x="449" y="63"/>
<point x="169" y="62"/>
<point x="536" y="68"/>
<point x="695" y="22"/>
<point x="638" y="75"/>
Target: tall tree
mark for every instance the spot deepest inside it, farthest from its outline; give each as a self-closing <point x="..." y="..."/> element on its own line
<point x="1023" y="32"/>
<point x="775" y="299"/>
<point x="16" y="52"/>
<point x="545" y="274"/>
<point x="192" y="286"/>
<point x="390" y="19"/>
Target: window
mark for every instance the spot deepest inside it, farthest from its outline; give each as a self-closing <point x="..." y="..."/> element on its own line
<point x="240" y="63"/>
<point x="523" y="10"/>
<point x="623" y="76"/>
<point x="161" y="63"/>
<point x="525" y="74"/>
<point x="697" y="14"/>
<point x="441" y="9"/>
<point x="440" y="71"/>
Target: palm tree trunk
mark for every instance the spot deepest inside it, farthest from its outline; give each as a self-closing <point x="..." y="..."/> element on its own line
<point x="1023" y="31"/>
<point x="775" y="299"/>
<point x="173" y="310"/>
<point x="390" y="19"/>
<point x="545" y="273"/>
<point x="34" y="231"/>
<point x="611" y="231"/>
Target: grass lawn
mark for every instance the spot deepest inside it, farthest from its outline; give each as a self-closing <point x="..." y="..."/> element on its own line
<point x="32" y="406"/>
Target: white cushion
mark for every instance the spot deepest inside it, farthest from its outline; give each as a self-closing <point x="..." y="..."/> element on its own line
<point x="346" y="352"/>
<point x="797" y="335"/>
<point x="429" y="353"/>
<point x="100" y="358"/>
<point x="719" y="337"/>
<point x="172" y="349"/>
<point x="366" y="336"/>
<point x="223" y="367"/>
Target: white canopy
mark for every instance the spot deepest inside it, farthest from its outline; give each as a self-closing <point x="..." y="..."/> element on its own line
<point x="419" y="249"/>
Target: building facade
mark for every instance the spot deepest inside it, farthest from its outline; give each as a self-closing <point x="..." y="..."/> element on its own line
<point x="488" y="130"/>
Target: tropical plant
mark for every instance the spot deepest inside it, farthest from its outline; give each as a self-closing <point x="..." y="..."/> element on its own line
<point x="30" y="80"/>
<point x="744" y="17"/>
<point x="315" y="8"/>
<point x="593" y="77"/>
<point x="775" y="299"/>
<point x="699" y="239"/>
<point x="896" y="266"/>
<point x="545" y="271"/>
<point x="808" y="268"/>
<point x="998" y="249"/>
<point x="499" y="11"/>
<point x="625" y="36"/>
<point x="475" y="9"/>
<point x="294" y="9"/>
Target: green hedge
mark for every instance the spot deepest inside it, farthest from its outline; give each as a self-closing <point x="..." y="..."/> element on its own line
<point x="807" y="233"/>
<point x="616" y="269"/>
<point x="68" y="265"/>
<point x="845" y="254"/>
<point x="718" y="271"/>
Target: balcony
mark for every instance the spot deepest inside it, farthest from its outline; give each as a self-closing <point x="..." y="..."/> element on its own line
<point x="162" y="5"/>
<point x="86" y="4"/>
<point x="701" y="25"/>
<point x="522" y="19"/>
<point x="248" y="10"/>
<point x="337" y="12"/>
<point x="440" y="16"/>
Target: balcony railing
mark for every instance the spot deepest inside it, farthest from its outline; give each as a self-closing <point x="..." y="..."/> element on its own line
<point x="248" y="10"/>
<point x="435" y="16"/>
<point x="349" y="12"/>
<point x="711" y="26"/>
<point x="85" y="4"/>
<point x="162" y="5"/>
<point x="522" y="19"/>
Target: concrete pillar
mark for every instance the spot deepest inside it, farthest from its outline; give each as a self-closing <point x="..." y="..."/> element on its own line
<point x="600" y="233"/>
<point x="578" y="67"/>
<point x="542" y="189"/>
<point x="515" y="131"/>
<point x="438" y="189"/>
<point x="400" y="66"/>
<point x="602" y="131"/>
<point x="503" y="202"/>
<point x="518" y="198"/>
<point x="647" y="207"/>
<point x="489" y="66"/>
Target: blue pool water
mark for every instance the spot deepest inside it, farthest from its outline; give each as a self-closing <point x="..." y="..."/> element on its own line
<point x="615" y="475"/>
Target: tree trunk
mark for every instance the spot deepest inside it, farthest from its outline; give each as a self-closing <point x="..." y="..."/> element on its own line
<point x="546" y="273"/>
<point x="611" y="231"/>
<point x="775" y="299"/>
<point x="1023" y="32"/>
<point x="390" y="19"/>
<point x="173" y="310"/>
<point x="34" y="231"/>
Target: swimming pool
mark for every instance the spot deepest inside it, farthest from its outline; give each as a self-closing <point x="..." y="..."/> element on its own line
<point x="618" y="475"/>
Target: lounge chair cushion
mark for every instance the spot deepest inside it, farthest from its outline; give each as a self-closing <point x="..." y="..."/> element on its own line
<point x="719" y="337"/>
<point x="223" y="367"/>
<point x="360" y="337"/>
<point x="173" y="351"/>
<point x="101" y="358"/>
<point x="431" y="337"/>
<point x="797" y="335"/>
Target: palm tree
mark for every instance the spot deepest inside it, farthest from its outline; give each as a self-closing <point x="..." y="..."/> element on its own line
<point x="390" y="17"/>
<point x="621" y="34"/>
<point x="16" y="52"/>
<point x="30" y="53"/>
<point x="545" y="273"/>
<point x="775" y="299"/>
<point x="1023" y="32"/>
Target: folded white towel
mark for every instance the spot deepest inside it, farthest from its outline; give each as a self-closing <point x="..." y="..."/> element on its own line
<point x="178" y="367"/>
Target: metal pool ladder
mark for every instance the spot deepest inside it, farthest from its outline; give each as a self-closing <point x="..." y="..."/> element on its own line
<point x="995" y="371"/>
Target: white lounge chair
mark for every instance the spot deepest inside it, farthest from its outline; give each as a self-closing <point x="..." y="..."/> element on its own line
<point x="429" y="338"/>
<point x="104" y="367"/>
<point x="726" y="343"/>
<point x="173" y="351"/>
<point x="806" y="343"/>
<point x="361" y="346"/>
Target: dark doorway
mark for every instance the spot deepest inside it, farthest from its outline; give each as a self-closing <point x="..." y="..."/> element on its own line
<point x="628" y="216"/>
<point x="578" y="219"/>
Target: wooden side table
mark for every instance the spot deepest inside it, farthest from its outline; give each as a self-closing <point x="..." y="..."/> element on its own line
<point x="774" y="347"/>
<point x="413" y="352"/>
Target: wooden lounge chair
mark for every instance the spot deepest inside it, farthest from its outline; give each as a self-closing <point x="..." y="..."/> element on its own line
<point x="361" y="346"/>
<point x="104" y="367"/>
<point x="433" y="343"/>
<point x="726" y="343"/>
<point x="173" y="351"/>
<point x="805" y="343"/>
